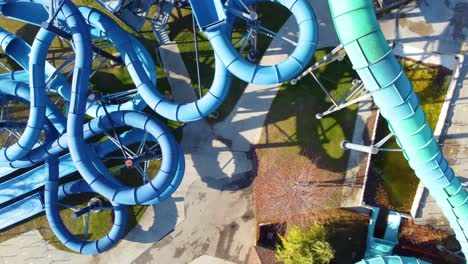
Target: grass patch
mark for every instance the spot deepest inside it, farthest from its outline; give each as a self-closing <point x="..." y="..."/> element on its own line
<point x="396" y="181"/>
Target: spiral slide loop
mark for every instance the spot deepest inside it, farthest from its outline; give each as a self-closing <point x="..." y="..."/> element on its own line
<point x="134" y="54"/>
<point x="36" y="111"/>
<point x="72" y="133"/>
<point x="260" y="74"/>
<point x="53" y="194"/>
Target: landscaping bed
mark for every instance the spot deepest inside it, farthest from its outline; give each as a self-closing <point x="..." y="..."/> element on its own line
<point x="392" y="183"/>
<point x="346" y="233"/>
<point x="421" y="242"/>
<point x="292" y="133"/>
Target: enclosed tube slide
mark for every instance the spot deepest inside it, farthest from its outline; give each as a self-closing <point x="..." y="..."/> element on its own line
<point x="359" y="32"/>
<point x="133" y="56"/>
<point x="21" y="90"/>
<point x="53" y="194"/>
<point x="140" y="66"/>
<point x="18" y="50"/>
<point x="114" y="191"/>
<point x="37" y="104"/>
<point x="211" y="21"/>
<point x="392" y="260"/>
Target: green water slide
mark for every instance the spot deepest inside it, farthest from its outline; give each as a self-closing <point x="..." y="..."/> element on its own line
<point x="359" y="32"/>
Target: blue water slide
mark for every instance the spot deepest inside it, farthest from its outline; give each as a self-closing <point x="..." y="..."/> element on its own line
<point x="79" y="151"/>
<point x="53" y="194"/>
<point x="18" y="50"/>
<point x="212" y="21"/>
<point x="37" y="104"/>
<point x="21" y="210"/>
<point x="34" y="179"/>
<point x="133" y="55"/>
<point x="359" y="31"/>
<point x="21" y="90"/>
<point x="161" y="187"/>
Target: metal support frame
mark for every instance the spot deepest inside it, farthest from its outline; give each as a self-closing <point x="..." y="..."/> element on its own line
<point x="338" y="53"/>
<point x="49" y="26"/>
<point x="356" y="94"/>
<point x="373" y="149"/>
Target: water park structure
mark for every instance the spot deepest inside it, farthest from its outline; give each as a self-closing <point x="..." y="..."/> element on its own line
<point x="68" y="127"/>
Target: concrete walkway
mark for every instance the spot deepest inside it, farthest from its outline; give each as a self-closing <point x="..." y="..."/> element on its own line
<point x="434" y="25"/>
<point x="352" y="190"/>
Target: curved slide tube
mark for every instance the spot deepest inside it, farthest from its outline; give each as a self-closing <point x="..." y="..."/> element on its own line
<point x="261" y="74"/>
<point x="21" y="90"/>
<point x="18" y="50"/>
<point x="161" y="187"/>
<point x="124" y="43"/>
<point x="78" y="149"/>
<point x="53" y="194"/>
<point x="373" y="59"/>
<point x="392" y="260"/>
<point x="37" y="104"/>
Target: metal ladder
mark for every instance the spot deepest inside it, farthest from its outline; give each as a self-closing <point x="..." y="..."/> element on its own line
<point x="160" y="19"/>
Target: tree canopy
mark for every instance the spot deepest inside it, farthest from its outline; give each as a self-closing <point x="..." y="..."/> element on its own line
<point x="305" y="246"/>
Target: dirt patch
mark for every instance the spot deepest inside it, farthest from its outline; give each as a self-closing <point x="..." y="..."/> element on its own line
<point x="421" y="242"/>
<point x="418" y="27"/>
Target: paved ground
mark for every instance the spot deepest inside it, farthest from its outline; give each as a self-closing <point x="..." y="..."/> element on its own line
<point x="434" y="25"/>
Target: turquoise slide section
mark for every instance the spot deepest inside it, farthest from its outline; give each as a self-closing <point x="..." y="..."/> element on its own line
<point x="392" y="260"/>
<point x="359" y="32"/>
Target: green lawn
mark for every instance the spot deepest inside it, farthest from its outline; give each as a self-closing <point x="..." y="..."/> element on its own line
<point x="291" y="126"/>
<point x="396" y="181"/>
<point x="180" y="31"/>
<point x="291" y="130"/>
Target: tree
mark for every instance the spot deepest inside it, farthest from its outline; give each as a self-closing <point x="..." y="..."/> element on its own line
<point x="305" y="246"/>
<point x="291" y="189"/>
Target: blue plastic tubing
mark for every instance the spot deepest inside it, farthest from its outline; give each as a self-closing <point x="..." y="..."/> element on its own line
<point x="133" y="58"/>
<point x="21" y="90"/>
<point x="53" y="194"/>
<point x="110" y="188"/>
<point x="37" y="106"/>
<point x="373" y="59"/>
<point x="41" y="153"/>
<point x="18" y="50"/>
<point x="263" y="74"/>
<point x="140" y="66"/>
